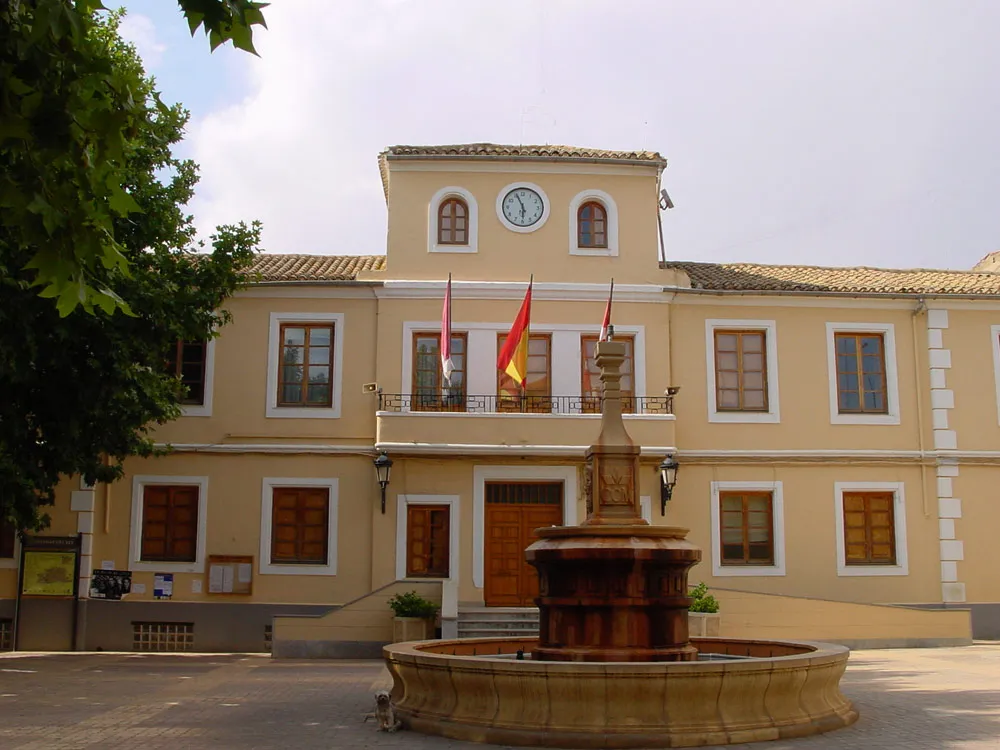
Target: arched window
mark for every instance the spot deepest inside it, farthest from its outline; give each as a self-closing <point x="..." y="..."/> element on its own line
<point x="453" y="222"/>
<point x="592" y="225"/>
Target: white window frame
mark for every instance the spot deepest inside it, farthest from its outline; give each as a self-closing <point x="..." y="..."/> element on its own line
<point x="264" y="565"/>
<point x="484" y="473"/>
<point x="472" y="234"/>
<point x="610" y="208"/>
<point x="546" y="207"/>
<point x="204" y="409"/>
<point x="995" y="334"/>
<point x="777" y="530"/>
<point x="902" y="567"/>
<point x="274" y="358"/>
<point x="646" y="508"/>
<point x="139" y="483"/>
<point x="770" y="329"/>
<point x="888" y="332"/>
<point x="402" y="504"/>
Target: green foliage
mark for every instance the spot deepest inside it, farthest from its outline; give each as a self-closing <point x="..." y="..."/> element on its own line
<point x="225" y="20"/>
<point x="81" y="393"/>
<point x="702" y="601"/>
<point x="411" y="604"/>
<point x="70" y="109"/>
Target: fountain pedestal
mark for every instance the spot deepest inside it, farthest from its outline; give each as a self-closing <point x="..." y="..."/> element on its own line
<point x="613" y="588"/>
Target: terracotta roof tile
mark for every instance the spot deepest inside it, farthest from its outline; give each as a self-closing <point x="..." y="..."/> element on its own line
<point x="860" y="280"/>
<point x="522" y="152"/>
<point x="282" y="267"/>
<point x="493" y="150"/>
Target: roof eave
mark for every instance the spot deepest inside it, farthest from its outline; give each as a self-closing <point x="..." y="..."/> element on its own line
<point x="651" y="163"/>
<point x="830" y="293"/>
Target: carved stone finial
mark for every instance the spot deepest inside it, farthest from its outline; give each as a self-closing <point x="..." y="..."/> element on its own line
<point x="614" y="458"/>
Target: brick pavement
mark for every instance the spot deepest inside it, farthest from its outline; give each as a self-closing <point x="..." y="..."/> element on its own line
<point x="917" y="699"/>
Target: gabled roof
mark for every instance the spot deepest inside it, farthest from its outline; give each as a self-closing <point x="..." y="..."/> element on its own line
<point x="282" y="267"/>
<point x="501" y="152"/>
<point x="859" y="280"/>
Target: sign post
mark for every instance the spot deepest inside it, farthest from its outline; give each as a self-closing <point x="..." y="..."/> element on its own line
<point x="50" y="568"/>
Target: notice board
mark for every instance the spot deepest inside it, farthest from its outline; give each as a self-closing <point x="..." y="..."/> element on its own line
<point x="230" y="574"/>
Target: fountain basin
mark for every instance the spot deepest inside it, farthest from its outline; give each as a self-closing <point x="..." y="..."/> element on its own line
<point x="470" y="689"/>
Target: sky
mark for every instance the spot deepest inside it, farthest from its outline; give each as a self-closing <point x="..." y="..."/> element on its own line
<point x="828" y="132"/>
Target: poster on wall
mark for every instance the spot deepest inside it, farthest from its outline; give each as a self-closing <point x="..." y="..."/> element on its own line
<point x="49" y="573"/>
<point x="163" y="585"/>
<point x="110" y="584"/>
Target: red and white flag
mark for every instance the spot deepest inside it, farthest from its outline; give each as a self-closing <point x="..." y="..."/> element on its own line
<point x="606" y="324"/>
<point x="447" y="366"/>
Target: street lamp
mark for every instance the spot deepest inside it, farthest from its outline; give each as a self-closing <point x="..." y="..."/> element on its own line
<point x="382" y="466"/>
<point x="668" y="478"/>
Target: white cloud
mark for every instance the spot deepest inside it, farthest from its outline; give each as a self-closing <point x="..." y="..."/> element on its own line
<point x="827" y="132"/>
<point x="141" y="31"/>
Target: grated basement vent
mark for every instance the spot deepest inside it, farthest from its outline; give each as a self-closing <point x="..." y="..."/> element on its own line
<point x="268" y="638"/>
<point x="6" y="635"/>
<point x="162" y="636"/>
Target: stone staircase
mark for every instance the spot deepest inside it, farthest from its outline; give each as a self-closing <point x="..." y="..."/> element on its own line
<point x="491" y="622"/>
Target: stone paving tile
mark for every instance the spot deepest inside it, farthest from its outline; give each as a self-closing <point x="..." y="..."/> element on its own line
<point x="914" y="699"/>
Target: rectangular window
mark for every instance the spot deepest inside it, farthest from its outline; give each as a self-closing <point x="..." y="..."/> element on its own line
<point x="590" y="385"/>
<point x="8" y="535"/>
<point x="747" y="528"/>
<point x="861" y="374"/>
<point x="869" y="528"/>
<point x="299" y="525"/>
<point x="537" y="387"/>
<point x="305" y="376"/>
<point x="427" y="541"/>
<point x="169" y="523"/>
<point x="186" y="361"/>
<point x="429" y="390"/>
<point x="740" y="371"/>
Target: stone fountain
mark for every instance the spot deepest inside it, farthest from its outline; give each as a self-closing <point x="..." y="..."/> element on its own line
<point x="615" y="587"/>
<point x="613" y="665"/>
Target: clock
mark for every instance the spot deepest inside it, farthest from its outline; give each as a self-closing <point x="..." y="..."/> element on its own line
<point x="522" y="207"/>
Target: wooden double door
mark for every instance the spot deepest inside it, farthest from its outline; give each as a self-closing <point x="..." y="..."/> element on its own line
<point x="514" y="510"/>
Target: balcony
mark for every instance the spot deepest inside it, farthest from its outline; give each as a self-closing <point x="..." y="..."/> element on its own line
<point x="516" y="425"/>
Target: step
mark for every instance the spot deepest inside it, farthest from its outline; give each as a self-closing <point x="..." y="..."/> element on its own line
<point x="494" y="625"/>
<point x="488" y="615"/>
<point x="499" y="631"/>
<point x="495" y="633"/>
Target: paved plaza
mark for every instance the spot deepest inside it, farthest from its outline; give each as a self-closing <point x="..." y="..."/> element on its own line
<point x="938" y="699"/>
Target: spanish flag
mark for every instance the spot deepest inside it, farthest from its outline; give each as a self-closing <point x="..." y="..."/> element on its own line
<point x="513" y="358"/>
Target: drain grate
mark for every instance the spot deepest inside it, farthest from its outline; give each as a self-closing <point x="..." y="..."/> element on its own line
<point x="162" y="636"/>
<point x="268" y="638"/>
<point x="6" y="635"/>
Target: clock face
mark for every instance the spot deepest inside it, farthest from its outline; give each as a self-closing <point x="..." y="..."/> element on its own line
<point x="523" y="207"/>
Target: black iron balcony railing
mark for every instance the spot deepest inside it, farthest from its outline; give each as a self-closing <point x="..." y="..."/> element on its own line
<point x="529" y="404"/>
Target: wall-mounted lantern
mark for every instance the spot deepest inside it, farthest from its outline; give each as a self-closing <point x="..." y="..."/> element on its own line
<point x="383" y="465"/>
<point x="668" y="478"/>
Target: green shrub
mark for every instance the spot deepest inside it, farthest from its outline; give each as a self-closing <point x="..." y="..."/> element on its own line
<point x="411" y="604"/>
<point x="702" y="601"/>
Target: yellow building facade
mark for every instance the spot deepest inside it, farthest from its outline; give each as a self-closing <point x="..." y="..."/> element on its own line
<point x="836" y="430"/>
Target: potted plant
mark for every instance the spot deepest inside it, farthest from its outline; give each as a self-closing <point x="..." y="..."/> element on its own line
<point x="414" y="617"/>
<point x="703" y="615"/>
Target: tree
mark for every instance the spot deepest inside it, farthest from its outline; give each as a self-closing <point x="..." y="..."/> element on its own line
<point x="82" y="392"/>
<point x="66" y="116"/>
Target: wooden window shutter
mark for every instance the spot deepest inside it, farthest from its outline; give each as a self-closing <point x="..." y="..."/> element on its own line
<point x="869" y="528"/>
<point x="428" y="541"/>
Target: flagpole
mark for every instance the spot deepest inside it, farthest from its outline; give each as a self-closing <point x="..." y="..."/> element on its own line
<point x="527" y="332"/>
<point x="611" y="296"/>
